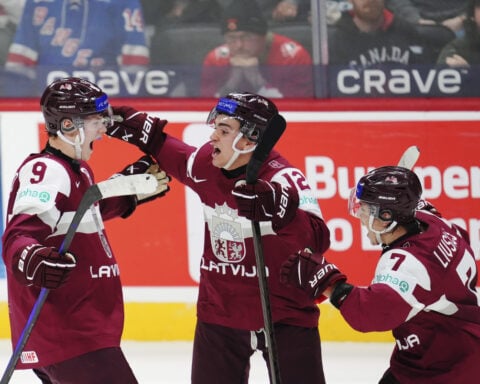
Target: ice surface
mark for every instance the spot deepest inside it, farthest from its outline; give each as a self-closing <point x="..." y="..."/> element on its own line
<point x="169" y="362"/>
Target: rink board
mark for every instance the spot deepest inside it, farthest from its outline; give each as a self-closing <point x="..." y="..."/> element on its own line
<point x="160" y="267"/>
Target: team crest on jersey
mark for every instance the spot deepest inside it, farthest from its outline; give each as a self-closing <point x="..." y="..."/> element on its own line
<point x="226" y="235"/>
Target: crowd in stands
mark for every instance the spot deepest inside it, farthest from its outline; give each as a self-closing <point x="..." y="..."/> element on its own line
<point x="263" y="45"/>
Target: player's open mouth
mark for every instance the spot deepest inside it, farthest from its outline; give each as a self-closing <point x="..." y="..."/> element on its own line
<point x="215" y="152"/>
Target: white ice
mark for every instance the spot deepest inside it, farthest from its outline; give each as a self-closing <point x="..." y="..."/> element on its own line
<point x="169" y="362"/>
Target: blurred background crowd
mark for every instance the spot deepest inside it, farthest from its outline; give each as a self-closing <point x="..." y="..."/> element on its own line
<point x="278" y="48"/>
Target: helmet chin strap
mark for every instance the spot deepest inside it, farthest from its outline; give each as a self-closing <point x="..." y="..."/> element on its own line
<point x="378" y="234"/>
<point x="237" y="152"/>
<point x="77" y="144"/>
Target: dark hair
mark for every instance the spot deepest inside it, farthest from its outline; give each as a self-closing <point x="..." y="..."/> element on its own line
<point x="243" y="16"/>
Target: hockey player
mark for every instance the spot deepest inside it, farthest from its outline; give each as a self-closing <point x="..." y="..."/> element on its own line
<point x="229" y="314"/>
<point x="76" y="338"/>
<point x="424" y="287"/>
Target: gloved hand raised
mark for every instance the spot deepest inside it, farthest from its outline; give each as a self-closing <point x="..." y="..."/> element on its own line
<point x="264" y="201"/>
<point x="138" y="128"/>
<point x="310" y="272"/>
<point x="146" y="164"/>
<point x="43" y="266"/>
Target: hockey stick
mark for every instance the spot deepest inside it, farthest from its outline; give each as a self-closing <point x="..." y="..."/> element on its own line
<point x="272" y="134"/>
<point x="409" y="157"/>
<point x="119" y="186"/>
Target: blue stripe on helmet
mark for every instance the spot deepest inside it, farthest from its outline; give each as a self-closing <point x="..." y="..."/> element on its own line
<point x="101" y="103"/>
<point x="227" y="106"/>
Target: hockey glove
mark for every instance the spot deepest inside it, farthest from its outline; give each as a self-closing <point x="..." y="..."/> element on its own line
<point x="147" y="165"/>
<point x="43" y="266"/>
<point x="264" y="201"/>
<point x="310" y="272"/>
<point x="138" y="128"/>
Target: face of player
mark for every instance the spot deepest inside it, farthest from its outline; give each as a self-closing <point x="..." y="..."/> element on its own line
<point x="245" y="44"/>
<point x="363" y="213"/>
<point x="73" y="145"/>
<point x="225" y="131"/>
<point x="94" y="127"/>
<point x="368" y="10"/>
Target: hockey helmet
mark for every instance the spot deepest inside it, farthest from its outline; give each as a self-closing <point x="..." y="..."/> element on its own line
<point x="252" y="111"/>
<point x="70" y="99"/>
<point x="391" y="192"/>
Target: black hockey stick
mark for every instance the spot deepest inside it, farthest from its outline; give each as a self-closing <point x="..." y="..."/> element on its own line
<point x="119" y="186"/>
<point x="271" y="135"/>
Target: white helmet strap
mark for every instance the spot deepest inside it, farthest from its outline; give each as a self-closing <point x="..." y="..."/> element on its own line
<point x="378" y="234"/>
<point x="237" y="152"/>
<point x="77" y="144"/>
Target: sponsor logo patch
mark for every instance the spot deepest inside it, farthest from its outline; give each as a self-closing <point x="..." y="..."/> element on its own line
<point x="29" y="357"/>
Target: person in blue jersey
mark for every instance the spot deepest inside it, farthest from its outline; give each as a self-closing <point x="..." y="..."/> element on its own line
<point x="70" y="35"/>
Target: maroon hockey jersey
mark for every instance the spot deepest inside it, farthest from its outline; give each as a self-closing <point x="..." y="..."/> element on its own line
<point x="229" y="293"/>
<point x="424" y="290"/>
<point x="86" y="313"/>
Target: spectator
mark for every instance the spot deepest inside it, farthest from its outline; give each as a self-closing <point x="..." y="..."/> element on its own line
<point x="423" y="289"/>
<point x="254" y="59"/>
<point x="10" y="13"/>
<point x="78" y="35"/>
<point x="369" y="35"/>
<point x="449" y="13"/>
<point x="465" y="51"/>
<point x="77" y="336"/>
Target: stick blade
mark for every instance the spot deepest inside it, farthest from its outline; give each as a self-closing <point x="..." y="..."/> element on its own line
<point x="275" y="128"/>
<point x="128" y="185"/>
<point x="409" y="157"/>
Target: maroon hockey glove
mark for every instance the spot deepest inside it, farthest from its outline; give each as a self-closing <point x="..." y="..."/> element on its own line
<point x="264" y="201"/>
<point x="138" y="167"/>
<point x="138" y="128"/>
<point x="43" y="266"/>
<point x="310" y="272"/>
